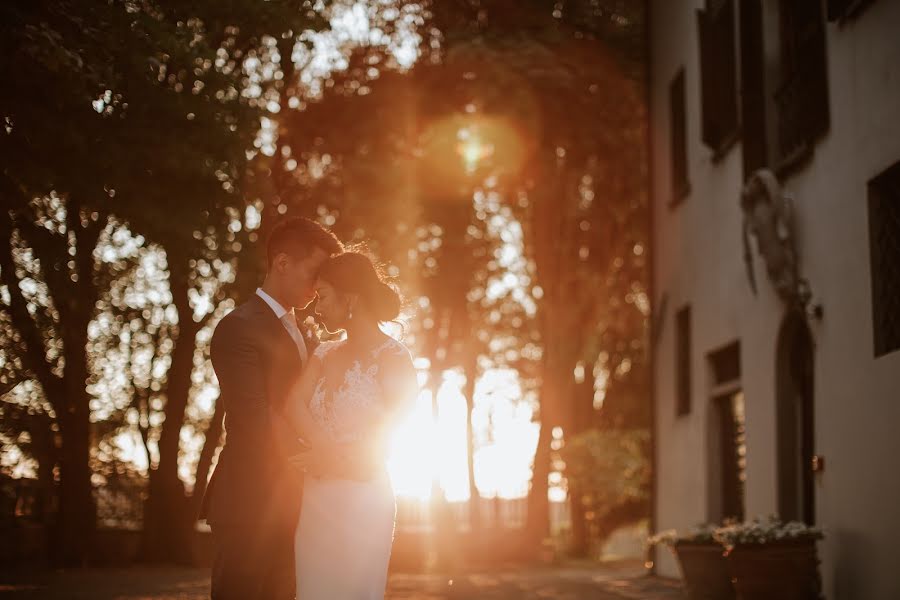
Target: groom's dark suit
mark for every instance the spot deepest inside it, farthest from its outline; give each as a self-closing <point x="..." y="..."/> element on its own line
<point x="253" y="499"/>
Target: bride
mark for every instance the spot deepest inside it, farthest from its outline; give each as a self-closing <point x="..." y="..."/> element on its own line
<point x="345" y="405"/>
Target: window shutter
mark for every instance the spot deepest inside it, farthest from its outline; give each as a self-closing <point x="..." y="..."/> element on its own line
<point x="840" y="9"/>
<point x="754" y="142"/>
<point x="884" y="240"/>
<point x="718" y="78"/>
<point x="837" y="8"/>
<point x="802" y="98"/>
<point x="683" y="362"/>
<point x="678" y="138"/>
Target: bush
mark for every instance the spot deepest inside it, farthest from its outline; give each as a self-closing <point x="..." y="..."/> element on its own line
<point x="610" y="469"/>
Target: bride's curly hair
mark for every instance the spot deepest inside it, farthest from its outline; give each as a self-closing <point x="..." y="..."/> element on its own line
<point x="355" y="272"/>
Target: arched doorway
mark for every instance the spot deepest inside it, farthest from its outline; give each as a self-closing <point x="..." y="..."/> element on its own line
<point x="795" y="419"/>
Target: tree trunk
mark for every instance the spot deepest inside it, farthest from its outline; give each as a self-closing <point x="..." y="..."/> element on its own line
<point x="210" y="445"/>
<point x="45" y="451"/>
<point x="583" y="418"/>
<point x="77" y="517"/>
<point x="580" y="547"/>
<point x="556" y="405"/>
<point x="168" y="516"/>
<point x="437" y="492"/>
<point x="442" y="542"/>
<point x="469" y="393"/>
<point x="77" y="509"/>
<point x="74" y="296"/>
<point x="538" y="517"/>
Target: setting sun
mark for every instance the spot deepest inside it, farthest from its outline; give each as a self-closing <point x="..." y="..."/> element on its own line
<point x="423" y="449"/>
<point x="472" y="149"/>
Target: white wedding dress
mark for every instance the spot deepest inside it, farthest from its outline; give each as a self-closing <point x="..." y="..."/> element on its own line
<point x="343" y="540"/>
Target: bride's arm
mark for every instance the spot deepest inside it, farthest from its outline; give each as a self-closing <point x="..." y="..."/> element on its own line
<point x="298" y="412"/>
<point x="293" y="427"/>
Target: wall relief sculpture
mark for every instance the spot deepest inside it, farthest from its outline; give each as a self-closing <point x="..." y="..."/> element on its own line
<point x="768" y="217"/>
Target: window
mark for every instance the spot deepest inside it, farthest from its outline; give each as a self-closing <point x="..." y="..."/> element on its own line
<point x="678" y="140"/>
<point x="718" y="79"/>
<point x="795" y="419"/>
<point x="843" y="9"/>
<point x="683" y="361"/>
<point x="733" y="459"/>
<point x="728" y="439"/>
<point x="726" y="364"/>
<point x="802" y="94"/>
<point x="884" y="241"/>
<point x="753" y="94"/>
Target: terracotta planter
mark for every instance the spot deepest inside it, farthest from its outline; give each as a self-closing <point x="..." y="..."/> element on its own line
<point x="704" y="570"/>
<point x="776" y="571"/>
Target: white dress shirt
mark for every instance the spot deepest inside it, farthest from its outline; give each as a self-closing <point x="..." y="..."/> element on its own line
<point x="287" y="319"/>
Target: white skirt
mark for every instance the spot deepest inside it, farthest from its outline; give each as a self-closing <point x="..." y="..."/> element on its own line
<point x="342" y="545"/>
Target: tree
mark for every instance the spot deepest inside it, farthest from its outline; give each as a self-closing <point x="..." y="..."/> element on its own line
<point x="371" y="145"/>
<point x="577" y="183"/>
<point x="387" y="180"/>
<point x="523" y="76"/>
<point x="94" y="83"/>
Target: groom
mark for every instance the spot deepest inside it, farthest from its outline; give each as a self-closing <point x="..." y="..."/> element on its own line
<point x="258" y="351"/>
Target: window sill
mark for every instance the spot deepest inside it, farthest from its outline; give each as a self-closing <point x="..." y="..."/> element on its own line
<point x="850" y="13"/>
<point x="679" y="196"/>
<point x="798" y="159"/>
<point x="725" y="146"/>
<point x="886" y="352"/>
<point x="794" y="162"/>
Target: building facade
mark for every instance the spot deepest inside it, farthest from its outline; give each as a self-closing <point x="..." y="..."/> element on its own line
<point x="775" y="165"/>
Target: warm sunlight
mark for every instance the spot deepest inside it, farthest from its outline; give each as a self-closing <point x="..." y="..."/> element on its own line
<point x="338" y="299"/>
<point x="472" y="149"/>
<point x="504" y="432"/>
<point x="505" y="439"/>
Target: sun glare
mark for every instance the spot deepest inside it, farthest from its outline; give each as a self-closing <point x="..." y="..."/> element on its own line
<point x="424" y="449"/>
<point x="472" y="149"/>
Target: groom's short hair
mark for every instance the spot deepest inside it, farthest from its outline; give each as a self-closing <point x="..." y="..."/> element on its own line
<point x="297" y="237"/>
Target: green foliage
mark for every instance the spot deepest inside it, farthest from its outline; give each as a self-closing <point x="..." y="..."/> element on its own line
<point x="611" y="471"/>
<point x="611" y="467"/>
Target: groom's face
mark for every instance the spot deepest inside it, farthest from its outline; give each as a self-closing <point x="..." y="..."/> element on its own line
<point x="299" y="276"/>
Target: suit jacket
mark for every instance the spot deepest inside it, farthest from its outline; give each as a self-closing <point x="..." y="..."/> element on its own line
<point x="257" y="363"/>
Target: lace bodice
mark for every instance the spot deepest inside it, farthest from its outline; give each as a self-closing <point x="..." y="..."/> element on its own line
<point x="348" y="411"/>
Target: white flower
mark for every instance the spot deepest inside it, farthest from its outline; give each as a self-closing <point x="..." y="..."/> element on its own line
<point x="759" y="531"/>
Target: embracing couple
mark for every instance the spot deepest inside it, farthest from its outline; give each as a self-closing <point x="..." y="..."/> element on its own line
<point x="300" y="502"/>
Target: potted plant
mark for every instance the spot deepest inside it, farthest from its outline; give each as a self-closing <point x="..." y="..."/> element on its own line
<point x="772" y="560"/>
<point x="700" y="557"/>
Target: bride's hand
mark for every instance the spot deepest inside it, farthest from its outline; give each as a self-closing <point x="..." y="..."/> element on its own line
<point x="315" y="461"/>
<point x="335" y="461"/>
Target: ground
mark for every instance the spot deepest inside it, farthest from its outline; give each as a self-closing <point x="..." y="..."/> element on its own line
<point x="619" y="582"/>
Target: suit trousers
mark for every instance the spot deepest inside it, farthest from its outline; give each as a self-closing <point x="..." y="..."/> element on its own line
<point x="252" y="563"/>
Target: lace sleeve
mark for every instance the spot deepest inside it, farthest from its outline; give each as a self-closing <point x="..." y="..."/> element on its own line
<point x="324" y="348"/>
